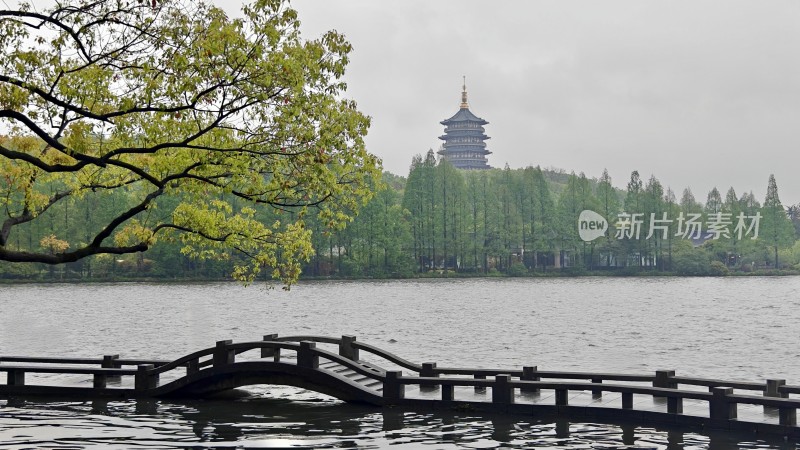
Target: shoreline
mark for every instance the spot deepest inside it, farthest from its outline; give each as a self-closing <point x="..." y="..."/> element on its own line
<point x="555" y="273"/>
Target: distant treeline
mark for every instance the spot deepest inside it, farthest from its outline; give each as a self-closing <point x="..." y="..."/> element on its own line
<point x="441" y="221"/>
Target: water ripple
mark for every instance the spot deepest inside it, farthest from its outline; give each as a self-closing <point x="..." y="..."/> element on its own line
<point x="731" y="328"/>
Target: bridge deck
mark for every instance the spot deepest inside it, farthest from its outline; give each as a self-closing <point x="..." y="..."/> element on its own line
<point x="766" y="407"/>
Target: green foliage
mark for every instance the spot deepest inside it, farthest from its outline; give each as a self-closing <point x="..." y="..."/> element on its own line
<point x="170" y="122"/>
<point x="517" y="270"/>
<point x="777" y="230"/>
<point x="791" y="256"/>
<point x="19" y="270"/>
<point x="794" y="215"/>
<point x="692" y="262"/>
<point x="717" y="269"/>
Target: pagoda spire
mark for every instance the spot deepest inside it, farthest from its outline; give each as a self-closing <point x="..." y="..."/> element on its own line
<point x="464" y="104"/>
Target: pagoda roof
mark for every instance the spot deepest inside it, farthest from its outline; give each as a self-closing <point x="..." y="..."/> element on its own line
<point x="464" y="115"/>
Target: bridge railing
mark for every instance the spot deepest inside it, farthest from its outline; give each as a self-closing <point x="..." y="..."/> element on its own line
<point x="111" y="367"/>
<point x="107" y="361"/>
<point x="349" y="347"/>
<point x="664" y="383"/>
<point x="722" y="402"/>
<point x="720" y="396"/>
<point x="225" y="352"/>
<point x="306" y="352"/>
<point x="391" y="357"/>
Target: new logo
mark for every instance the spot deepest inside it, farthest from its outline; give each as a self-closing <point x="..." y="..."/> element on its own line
<point x="591" y="225"/>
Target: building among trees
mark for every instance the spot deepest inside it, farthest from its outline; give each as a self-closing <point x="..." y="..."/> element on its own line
<point x="464" y="139"/>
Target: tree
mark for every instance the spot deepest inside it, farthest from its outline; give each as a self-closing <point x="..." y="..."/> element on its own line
<point x="474" y="227"/>
<point x="177" y="105"/>
<point x="749" y="203"/>
<point x="732" y="207"/>
<point x="633" y="206"/>
<point x="609" y="208"/>
<point x="377" y="237"/>
<point x="413" y="202"/>
<point x="545" y="208"/>
<point x="688" y="203"/>
<point x="713" y="213"/>
<point x="656" y="218"/>
<point x="713" y="202"/>
<point x="511" y="220"/>
<point x="776" y="228"/>
<point x="450" y="197"/>
<point x="794" y="215"/>
<point x="673" y="209"/>
<point x="568" y="209"/>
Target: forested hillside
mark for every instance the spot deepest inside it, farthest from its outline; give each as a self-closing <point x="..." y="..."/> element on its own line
<point x="525" y="221"/>
<point x="440" y="221"/>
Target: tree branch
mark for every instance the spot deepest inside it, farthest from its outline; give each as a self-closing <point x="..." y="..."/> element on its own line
<point x="44" y="18"/>
<point x="27" y="216"/>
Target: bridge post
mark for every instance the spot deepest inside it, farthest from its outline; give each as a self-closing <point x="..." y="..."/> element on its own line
<point x="429" y="371"/>
<point x="772" y="389"/>
<point x="597" y="393"/>
<point x="529" y="374"/>
<point x="675" y="405"/>
<point x="16" y="377"/>
<point x="109" y="362"/>
<point x="502" y="392"/>
<point x="662" y="379"/>
<point x="787" y="416"/>
<point x="448" y="392"/>
<point x="562" y="397"/>
<point x="479" y="389"/>
<point x="346" y="348"/>
<point x="627" y="400"/>
<point x="193" y="366"/>
<point x="393" y="390"/>
<point x="145" y="380"/>
<point x="268" y="352"/>
<point x="222" y="354"/>
<point x="307" y="356"/>
<point x="99" y="380"/>
<point x="720" y="406"/>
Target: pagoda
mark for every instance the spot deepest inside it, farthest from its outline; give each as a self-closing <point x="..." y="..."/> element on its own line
<point x="464" y="137"/>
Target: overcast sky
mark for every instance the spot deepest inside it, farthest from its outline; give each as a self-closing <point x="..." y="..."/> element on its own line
<point x="697" y="93"/>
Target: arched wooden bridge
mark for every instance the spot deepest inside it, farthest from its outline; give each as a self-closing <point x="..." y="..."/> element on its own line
<point x="357" y="372"/>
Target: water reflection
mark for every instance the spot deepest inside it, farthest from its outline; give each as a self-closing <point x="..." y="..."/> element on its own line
<point x="318" y="423"/>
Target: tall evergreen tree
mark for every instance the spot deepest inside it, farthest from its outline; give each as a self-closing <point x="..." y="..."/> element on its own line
<point x="413" y="202"/>
<point x="633" y="207"/>
<point x="673" y="210"/>
<point x="776" y="228"/>
<point x="655" y="217"/>
<point x="608" y="202"/>
<point x="794" y="215"/>
<point x="713" y="202"/>
<point x="688" y="203"/>
<point x="547" y="217"/>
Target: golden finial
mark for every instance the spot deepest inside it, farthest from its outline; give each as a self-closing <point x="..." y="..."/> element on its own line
<point x="464" y="104"/>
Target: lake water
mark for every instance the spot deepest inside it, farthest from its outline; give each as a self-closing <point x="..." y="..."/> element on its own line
<point x="730" y="328"/>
